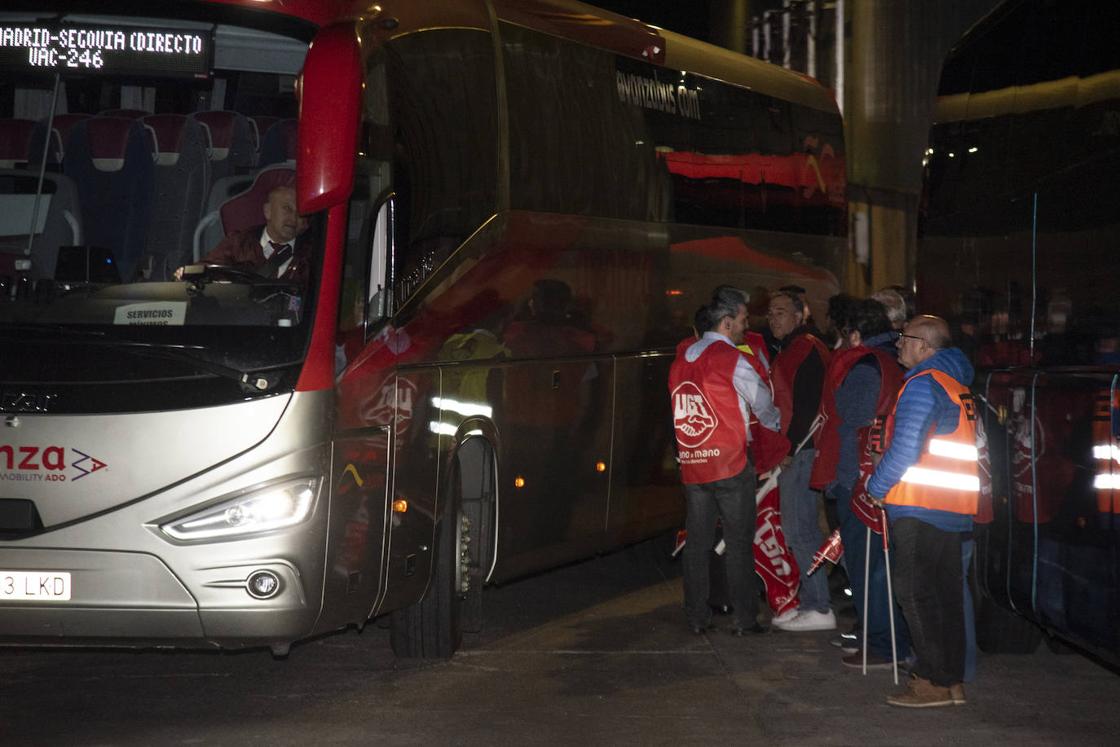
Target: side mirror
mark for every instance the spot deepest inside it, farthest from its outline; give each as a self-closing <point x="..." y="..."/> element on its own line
<point x="330" y="103"/>
<point x="380" y="259"/>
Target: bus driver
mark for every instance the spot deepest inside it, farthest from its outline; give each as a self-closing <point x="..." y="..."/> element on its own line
<point x="272" y="250"/>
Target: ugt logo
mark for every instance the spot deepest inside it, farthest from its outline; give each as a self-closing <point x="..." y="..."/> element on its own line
<point x="693" y="418"/>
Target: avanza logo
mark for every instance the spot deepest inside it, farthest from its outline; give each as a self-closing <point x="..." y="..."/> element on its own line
<point x="693" y="418"/>
<point x="45" y="463"/>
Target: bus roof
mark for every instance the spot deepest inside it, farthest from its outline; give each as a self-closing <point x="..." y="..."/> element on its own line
<point x="685" y="53"/>
<point x="578" y="22"/>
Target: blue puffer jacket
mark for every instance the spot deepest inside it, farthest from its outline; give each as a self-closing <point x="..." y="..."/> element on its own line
<point x="922" y="405"/>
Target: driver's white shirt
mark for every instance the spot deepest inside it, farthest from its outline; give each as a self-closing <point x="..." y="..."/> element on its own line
<point x="266" y="247"/>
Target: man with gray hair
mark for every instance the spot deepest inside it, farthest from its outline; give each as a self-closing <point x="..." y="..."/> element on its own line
<point x="713" y="391"/>
<point x="895" y="305"/>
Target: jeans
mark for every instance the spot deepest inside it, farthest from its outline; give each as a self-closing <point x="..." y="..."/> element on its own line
<point x="801" y="528"/>
<point x="732" y="501"/>
<point x="967" y="547"/>
<point x="853" y="532"/>
<point x="929" y="586"/>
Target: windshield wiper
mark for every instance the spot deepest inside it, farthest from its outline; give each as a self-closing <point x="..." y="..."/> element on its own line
<point x="250" y="381"/>
<point x="61" y="329"/>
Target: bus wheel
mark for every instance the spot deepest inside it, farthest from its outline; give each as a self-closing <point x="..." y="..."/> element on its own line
<point x="430" y="628"/>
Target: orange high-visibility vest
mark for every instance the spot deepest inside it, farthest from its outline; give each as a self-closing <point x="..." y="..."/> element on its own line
<point x="1106" y="454"/>
<point x="946" y="477"/>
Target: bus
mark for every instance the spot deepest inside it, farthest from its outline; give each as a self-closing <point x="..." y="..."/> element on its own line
<point x="510" y="210"/>
<point x="1018" y="237"/>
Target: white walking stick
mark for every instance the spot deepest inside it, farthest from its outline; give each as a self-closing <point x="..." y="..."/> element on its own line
<point x="890" y="597"/>
<point x="866" y="582"/>
<point x="772" y="480"/>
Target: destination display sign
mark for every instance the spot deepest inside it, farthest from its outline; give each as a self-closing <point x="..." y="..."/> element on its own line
<point x="105" y="50"/>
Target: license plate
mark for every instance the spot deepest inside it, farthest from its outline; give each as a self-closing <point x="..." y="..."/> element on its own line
<point x="35" y="586"/>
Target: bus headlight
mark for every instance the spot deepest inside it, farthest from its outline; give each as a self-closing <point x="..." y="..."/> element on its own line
<point x="277" y="506"/>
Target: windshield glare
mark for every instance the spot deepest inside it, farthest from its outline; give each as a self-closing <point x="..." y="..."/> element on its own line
<point x="146" y="174"/>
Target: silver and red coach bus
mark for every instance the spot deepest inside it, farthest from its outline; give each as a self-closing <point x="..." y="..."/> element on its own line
<point x="513" y="209"/>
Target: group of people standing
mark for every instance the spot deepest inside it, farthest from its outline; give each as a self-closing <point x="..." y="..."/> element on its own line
<point x="880" y="421"/>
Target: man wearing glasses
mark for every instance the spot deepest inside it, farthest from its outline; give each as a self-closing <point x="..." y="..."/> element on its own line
<point x="928" y="481"/>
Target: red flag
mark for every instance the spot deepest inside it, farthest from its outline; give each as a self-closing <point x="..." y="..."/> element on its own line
<point x="861" y="504"/>
<point x="831" y="550"/>
<point x="773" y="560"/>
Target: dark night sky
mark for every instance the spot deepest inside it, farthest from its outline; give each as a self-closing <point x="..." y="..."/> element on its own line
<point x="689" y="17"/>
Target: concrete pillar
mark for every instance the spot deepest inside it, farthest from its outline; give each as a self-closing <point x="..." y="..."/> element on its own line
<point x="729" y="21"/>
<point x="892" y="67"/>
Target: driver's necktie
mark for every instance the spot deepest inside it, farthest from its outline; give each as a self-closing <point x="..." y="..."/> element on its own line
<point x="281" y="253"/>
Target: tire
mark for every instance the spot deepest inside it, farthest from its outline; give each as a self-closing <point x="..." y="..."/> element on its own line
<point x="431" y="628"/>
<point x="1000" y="631"/>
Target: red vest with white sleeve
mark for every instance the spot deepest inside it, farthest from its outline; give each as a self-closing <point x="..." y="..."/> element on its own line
<point x="711" y="435"/>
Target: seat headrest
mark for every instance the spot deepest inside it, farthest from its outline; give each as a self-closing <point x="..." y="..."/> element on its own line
<point x="108" y="141"/>
<point x="247" y="209"/>
<point x="15" y="141"/>
<point x="168" y="132"/>
<point x="225" y="128"/>
<point x="280" y="143"/>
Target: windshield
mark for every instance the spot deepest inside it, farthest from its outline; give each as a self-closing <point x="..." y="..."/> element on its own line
<point x="147" y="168"/>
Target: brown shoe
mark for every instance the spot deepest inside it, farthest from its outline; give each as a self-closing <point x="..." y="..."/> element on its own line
<point x="921" y="693"/>
<point x="956" y="692"/>
<point x="874" y="661"/>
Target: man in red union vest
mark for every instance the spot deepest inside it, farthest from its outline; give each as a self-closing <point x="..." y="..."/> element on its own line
<point x="929" y="481"/>
<point x="713" y="390"/>
<point x="861" y="383"/>
<point x="798" y="377"/>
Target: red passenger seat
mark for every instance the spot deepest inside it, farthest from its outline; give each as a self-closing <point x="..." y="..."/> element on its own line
<point x="230" y="142"/>
<point x="181" y="181"/>
<point x="61" y="127"/>
<point x="15" y="142"/>
<point x="261" y="125"/>
<point x="280" y="143"/>
<point x="111" y="162"/>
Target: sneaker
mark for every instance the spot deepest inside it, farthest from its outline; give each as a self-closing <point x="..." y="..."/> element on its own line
<point x="784" y="617"/>
<point x="847" y="642"/>
<point x="956" y="692"/>
<point x="808" y="620"/>
<point x="921" y="693"/>
<point x="874" y="661"/>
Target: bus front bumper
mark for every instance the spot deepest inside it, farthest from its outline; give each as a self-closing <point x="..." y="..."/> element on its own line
<point x="133" y="599"/>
